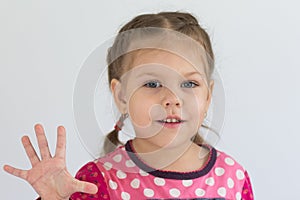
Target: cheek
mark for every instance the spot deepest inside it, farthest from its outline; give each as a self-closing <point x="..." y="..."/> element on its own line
<point x="142" y="112"/>
<point x="201" y="110"/>
<point x="139" y="109"/>
<point x="195" y="100"/>
<point x="195" y="105"/>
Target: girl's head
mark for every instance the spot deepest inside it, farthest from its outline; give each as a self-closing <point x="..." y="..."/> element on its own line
<point x="157" y="71"/>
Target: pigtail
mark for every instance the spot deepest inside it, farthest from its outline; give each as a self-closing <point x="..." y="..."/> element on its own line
<point x="197" y="139"/>
<point x="112" y="138"/>
<point x="111" y="141"/>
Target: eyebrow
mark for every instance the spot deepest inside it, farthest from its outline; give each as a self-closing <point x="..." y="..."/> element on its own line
<point x="192" y="73"/>
<point x="148" y="73"/>
<point x="187" y="74"/>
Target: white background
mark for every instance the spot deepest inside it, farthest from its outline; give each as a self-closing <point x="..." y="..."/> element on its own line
<point x="44" y="43"/>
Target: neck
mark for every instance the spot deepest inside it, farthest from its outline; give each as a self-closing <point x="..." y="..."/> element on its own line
<point x="180" y="158"/>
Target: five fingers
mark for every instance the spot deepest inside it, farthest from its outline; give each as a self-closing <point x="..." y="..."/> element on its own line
<point x="45" y="153"/>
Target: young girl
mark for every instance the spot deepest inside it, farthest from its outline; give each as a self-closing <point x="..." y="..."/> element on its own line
<point x="159" y="70"/>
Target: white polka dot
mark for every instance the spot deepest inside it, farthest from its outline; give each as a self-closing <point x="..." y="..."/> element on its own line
<point x="187" y="183"/>
<point x="103" y="174"/>
<point x="238" y="196"/>
<point x="113" y="185"/>
<point x="240" y="174"/>
<point x="229" y="161"/>
<point x="107" y="165"/>
<point x="159" y="181"/>
<point x="230" y="182"/>
<point x="143" y="173"/>
<point x="121" y="174"/>
<point x="125" y="196"/>
<point x="210" y="181"/>
<point x="222" y="191"/>
<point x="174" y="192"/>
<point x="218" y="154"/>
<point x="117" y="158"/>
<point x="135" y="183"/>
<point x="219" y="171"/>
<point x="148" y="192"/>
<point x="129" y="163"/>
<point x="199" y="192"/>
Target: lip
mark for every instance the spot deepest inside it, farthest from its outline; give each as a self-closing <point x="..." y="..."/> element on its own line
<point x="171" y="125"/>
<point x="173" y="117"/>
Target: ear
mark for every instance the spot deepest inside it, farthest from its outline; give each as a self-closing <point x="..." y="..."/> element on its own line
<point x="209" y="95"/>
<point x="119" y="97"/>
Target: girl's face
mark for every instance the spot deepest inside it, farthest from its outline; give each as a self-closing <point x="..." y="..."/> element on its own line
<point x="166" y="97"/>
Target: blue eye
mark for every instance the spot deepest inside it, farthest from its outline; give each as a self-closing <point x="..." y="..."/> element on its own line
<point x="153" y="84"/>
<point x="189" y="84"/>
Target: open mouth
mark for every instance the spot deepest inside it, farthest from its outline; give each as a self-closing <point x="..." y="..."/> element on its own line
<point x="171" y="121"/>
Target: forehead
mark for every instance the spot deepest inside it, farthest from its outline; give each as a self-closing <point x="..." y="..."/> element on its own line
<point x="160" y="60"/>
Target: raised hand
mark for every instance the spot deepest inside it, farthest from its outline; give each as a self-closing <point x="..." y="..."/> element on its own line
<point x="48" y="175"/>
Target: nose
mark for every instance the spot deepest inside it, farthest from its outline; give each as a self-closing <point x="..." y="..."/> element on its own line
<point x="170" y="99"/>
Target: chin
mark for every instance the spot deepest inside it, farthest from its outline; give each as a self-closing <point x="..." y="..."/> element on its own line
<point x="171" y="143"/>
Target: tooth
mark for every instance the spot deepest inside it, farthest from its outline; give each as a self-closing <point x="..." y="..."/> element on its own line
<point x="169" y="120"/>
<point x="174" y="120"/>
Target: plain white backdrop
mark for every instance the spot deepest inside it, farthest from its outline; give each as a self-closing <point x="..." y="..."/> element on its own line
<point x="43" y="44"/>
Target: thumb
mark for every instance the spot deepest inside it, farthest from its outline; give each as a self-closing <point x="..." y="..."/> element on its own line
<point x="86" y="187"/>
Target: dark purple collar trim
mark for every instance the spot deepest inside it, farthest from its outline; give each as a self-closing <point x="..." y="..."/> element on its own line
<point x="170" y="174"/>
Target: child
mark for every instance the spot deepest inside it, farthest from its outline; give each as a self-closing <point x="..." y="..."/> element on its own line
<point x="159" y="69"/>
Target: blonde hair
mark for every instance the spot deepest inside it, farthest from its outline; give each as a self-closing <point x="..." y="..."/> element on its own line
<point x="181" y="22"/>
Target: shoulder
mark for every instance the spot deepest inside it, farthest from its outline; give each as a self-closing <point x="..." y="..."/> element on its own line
<point x="227" y="176"/>
<point x="95" y="168"/>
<point x="115" y="160"/>
<point x="91" y="173"/>
<point x="89" y="169"/>
<point x="227" y="161"/>
<point x="237" y="174"/>
<point x="230" y="167"/>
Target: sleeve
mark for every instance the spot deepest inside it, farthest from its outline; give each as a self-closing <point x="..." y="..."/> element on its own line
<point x="91" y="173"/>
<point x="247" y="193"/>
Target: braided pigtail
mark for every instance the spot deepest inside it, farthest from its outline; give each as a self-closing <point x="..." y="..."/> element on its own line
<point x="112" y="139"/>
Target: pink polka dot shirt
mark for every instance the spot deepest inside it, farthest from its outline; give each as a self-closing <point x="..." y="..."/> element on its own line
<point x="123" y="175"/>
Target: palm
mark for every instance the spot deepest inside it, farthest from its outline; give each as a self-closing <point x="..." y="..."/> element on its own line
<point x="49" y="176"/>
